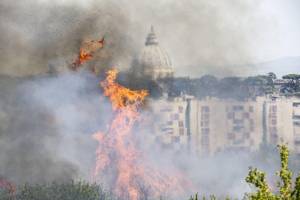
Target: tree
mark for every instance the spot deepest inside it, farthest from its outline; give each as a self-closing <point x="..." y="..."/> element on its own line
<point x="293" y="83"/>
<point x="260" y="85"/>
<point x="205" y="86"/>
<point x="286" y="191"/>
<point x="231" y="87"/>
<point x="272" y="75"/>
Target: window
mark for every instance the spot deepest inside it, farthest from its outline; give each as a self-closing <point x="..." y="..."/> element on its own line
<point x="205" y="123"/>
<point x="165" y="110"/>
<point x="237" y="128"/>
<point x="238" y="121"/>
<point x="205" y="140"/>
<point x="180" y="123"/>
<point x="175" y="116"/>
<point x="296" y="104"/>
<point x="180" y="109"/>
<point x="274" y="108"/>
<point x="251" y="109"/>
<point x="251" y="123"/>
<point x="181" y="131"/>
<point x="231" y="136"/>
<point x="176" y="139"/>
<point x="230" y="115"/>
<point x="273" y="130"/>
<point x="274" y="121"/>
<point x="247" y="134"/>
<point x="205" y="131"/>
<point x="238" y="108"/>
<point x="246" y="115"/>
<point x="204" y="109"/>
<point x="274" y="138"/>
<point x="205" y="116"/>
<point x="169" y="123"/>
<point x="166" y="129"/>
<point x="296" y="116"/>
<point x="296" y="123"/>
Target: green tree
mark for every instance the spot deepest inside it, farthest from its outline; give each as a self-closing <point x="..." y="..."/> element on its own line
<point x="293" y="84"/>
<point x="286" y="190"/>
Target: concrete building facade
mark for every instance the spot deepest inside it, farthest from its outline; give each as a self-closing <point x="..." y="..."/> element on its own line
<point x="170" y="123"/>
<point x="213" y="125"/>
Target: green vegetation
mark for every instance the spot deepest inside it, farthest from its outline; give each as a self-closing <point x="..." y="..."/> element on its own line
<point x="56" y="191"/>
<point x="292" y="86"/>
<point x="286" y="190"/>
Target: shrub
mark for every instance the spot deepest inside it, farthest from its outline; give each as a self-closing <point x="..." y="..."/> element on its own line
<point x="257" y="178"/>
<point x="285" y="187"/>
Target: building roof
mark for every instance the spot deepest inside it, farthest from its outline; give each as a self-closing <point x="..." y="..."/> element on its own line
<point x="153" y="56"/>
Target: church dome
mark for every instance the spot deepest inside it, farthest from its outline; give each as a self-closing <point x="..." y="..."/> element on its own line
<point x="154" y="61"/>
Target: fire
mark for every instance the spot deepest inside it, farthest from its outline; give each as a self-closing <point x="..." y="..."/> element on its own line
<point x="88" y="48"/>
<point x="118" y="150"/>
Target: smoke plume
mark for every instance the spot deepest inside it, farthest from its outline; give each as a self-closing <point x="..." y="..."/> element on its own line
<point x="46" y="121"/>
<point x="200" y="36"/>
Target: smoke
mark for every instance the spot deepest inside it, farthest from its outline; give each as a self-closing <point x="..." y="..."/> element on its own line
<point x="47" y="122"/>
<point x="222" y="174"/>
<point x="46" y="127"/>
<point x="200" y="36"/>
<point x="208" y="37"/>
<point x="38" y="34"/>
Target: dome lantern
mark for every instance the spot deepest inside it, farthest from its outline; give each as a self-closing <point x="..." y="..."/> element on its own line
<point x="151" y="38"/>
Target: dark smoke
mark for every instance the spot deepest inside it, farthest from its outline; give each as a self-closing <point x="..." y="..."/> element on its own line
<point x="201" y="37"/>
<point x="35" y="35"/>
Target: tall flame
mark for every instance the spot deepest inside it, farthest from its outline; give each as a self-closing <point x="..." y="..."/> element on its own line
<point x="118" y="148"/>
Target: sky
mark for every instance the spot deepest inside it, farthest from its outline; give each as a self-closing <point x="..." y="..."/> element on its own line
<point x="287" y="16"/>
<point x="200" y="36"/>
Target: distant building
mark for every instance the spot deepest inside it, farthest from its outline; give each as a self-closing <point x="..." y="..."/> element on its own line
<point x="219" y="125"/>
<point x="153" y="62"/>
<point x="213" y="125"/>
<point x="170" y="123"/>
<point x="296" y="124"/>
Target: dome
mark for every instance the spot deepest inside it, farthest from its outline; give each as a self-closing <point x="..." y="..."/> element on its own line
<point x="154" y="61"/>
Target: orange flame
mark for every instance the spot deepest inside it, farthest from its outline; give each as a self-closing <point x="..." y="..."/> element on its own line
<point x="88" y="48"/>
<point x="118" y="147"/>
